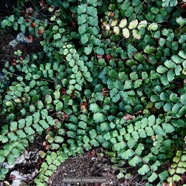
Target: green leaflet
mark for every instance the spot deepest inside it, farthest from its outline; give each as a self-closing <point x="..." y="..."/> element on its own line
<point x="99" y="117"/>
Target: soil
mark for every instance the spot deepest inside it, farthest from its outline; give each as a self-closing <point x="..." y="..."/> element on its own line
<point x="93" y="164"/>
<point x="7" y="51"/>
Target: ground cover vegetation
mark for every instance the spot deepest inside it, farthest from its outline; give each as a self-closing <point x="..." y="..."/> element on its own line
<point x="109" y="74"/>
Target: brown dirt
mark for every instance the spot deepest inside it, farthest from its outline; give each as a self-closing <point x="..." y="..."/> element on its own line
<point x="92" y="164"/>
<point x="7" y="52"/>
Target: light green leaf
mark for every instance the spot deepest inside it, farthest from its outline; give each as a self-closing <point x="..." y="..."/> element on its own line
<point x="88" y="49"/>
<point x="21" y="123"/>
<point x="139" y="149"/>
<point x="134" y="161"/>
<point x="183" y="99"/>
<point x="136" y="34"/>
<point x="82" y="125"/>
<point x="134" y="76"/>
<point x="129" y="12"/>
<point x="119" y="146"/>
<point x="177" y="59"/>
<point x="151" y="120"/>
<point x="142" y="24"/>
<point x="116" y="30"/>
<point x="167" y="107"/>
<point x="144" y="169"/>
<point x="92" y="2"/>
<point x="99" y="117"/>
<point x="13" y="126"/>
<point x="169" y="3"/>
<point x="180" y="170"/>
<point x="105" y="126"/>
<point x="44" y="113"/>
<point x="181" y="21"/>
<point x="81" y="8"/>
<point x="176" y="108"/>
<point x="57" y="36"/>
<point x="126" y="33"/>
<point x="48" y="99"/>
<point x="164" y="80"/>
<point x="163" y="175"/>
<point x="137" y="83"/>
<point x="93" y="133"/>
<point x="29" y="130"/>
<point x="57" y="94"/>
<point x="149" y="49"/>
<point x="174" y="97"/>
<point x="94" y="107"/>
<point x="29" y="120"/>
<point x="153" y="177"/>
<point x="59" y="106"/>
<point x="153" y="27"/>
<point x="170" y="64"/>
<point x="120" y="175"/>
<point x="176" y="178"/>
<point x="126" y="154"/>
<point x="81" y="19"/>
<point x="128" y="84"/>
<point x="131" y="143"/>
<point x="168" y="128"/>
<point x="84" y="39"/>
<point x="179" y="123"/>
<point x="123" y="23"/>
<point x="99" y="50"/>
<point x="50" y="120"/>
<point x="92" y="21"/>
<point x="182" y="54"/>
<point x="149" y="131"/>
<point x="92" y="11"/>
<point x="40" y="104"/>
<point x="133" y="24"/>
<point x="43" y="124"/>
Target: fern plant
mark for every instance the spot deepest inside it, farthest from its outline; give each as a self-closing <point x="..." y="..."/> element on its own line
<point x="177" y="168"/>
<point x="110" y="75"/>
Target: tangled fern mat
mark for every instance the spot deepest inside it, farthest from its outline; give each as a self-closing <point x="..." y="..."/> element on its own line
<point x="109" y="74"/>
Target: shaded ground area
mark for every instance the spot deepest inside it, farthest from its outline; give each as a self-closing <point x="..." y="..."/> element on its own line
<point x="27" y="166"/>
<point x="7" y="52"/>
<point x="93" y="164"/>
